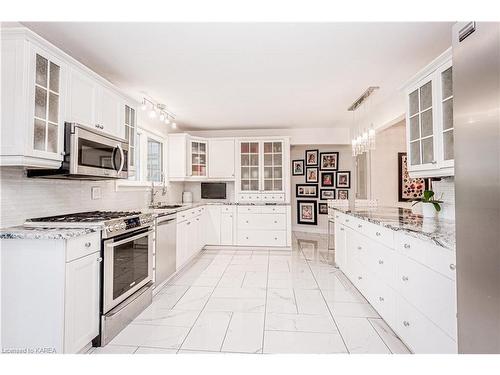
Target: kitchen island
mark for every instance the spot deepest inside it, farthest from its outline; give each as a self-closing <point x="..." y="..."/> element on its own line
<point x="404" y="265"/>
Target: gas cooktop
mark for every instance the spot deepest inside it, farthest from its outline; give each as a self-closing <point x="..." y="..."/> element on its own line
<point x="85" y="217"/>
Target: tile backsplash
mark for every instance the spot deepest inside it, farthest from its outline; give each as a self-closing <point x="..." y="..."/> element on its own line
<point x="444" y="189"/>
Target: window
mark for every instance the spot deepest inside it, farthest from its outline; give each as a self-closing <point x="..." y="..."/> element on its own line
<point x="154" y="160"/>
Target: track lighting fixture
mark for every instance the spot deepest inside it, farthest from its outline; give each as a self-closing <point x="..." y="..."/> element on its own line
<point x="158" y="109"/>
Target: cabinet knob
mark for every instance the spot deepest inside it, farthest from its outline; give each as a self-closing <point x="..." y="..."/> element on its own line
<point x="406" y="246"/>
<point x="380" y="261"/>
<point x="346" y="220"/>
<point x="377" y="234"/>
<point x="87" y="244"/>
<point x="275" y="222"/>
<point x="246" y="221"/>
<point x="381" y="299"/>
<point x="406" y="323"/>
<point x="275" y="238"/>
<point x="452" y="267"/>
<point x="433" y="162"/>
<point x="360" y="226"/>
<point x="99" y="260"/>
<point x="246" y="238"/>
<point x="360" y="278"/>
<point x="359" y="248"/>
<point x="342" y="229"/>
<point x="404" y="278"/>
<point x="188" y="223"/>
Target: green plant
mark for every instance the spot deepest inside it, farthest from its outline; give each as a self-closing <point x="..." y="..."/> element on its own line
<point x="428" y="197"/>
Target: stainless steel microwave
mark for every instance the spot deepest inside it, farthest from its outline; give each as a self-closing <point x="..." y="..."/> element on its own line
<point x="89" y="154"/>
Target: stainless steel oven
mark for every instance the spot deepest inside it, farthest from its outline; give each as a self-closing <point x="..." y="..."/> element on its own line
<point x="128" y="266"/>
<point x="89" y="154"/>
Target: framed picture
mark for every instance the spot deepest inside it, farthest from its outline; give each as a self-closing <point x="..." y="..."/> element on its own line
<point x="306" y="190"/>
<point x="329" y="161"/>
<point x="344" y="179"/>
<point x="312" y="158"/>
<point x="322" y="208"/>
<point x="326" y="194"/>
<point x="297" y="167"/>
<point x="312" y="174"/>
<point x="306" y="212"/>
<point x="328" y="179"/>
<point x="409" y="188"/>
<point x="342" y="194"/>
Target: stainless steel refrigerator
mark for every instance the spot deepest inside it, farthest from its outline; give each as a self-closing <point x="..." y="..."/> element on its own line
<point x="476" y="86"/>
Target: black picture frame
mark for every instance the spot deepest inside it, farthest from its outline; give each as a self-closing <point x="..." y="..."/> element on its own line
<point x="324" y="190"/>
<point x="322" y="209"/>
<point x="340" y="192"/>
<point x="299" y="161"/>
<point x="304" y="186"/>
<point x="307" y="175"/>
<point x="335" y="154"/>
<point x="316" y="158"/>
<point x="403" y="175"/>
<point x="314" y="212"/>
<point x="332" y="179"/>
<point x="339" y="176"/>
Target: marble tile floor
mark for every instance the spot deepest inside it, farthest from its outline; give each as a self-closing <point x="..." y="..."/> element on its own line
<point x="261" y="301"/>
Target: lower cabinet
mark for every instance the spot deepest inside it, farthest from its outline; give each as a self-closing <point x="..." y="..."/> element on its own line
<point x="408" y="281"/>
<point x="58" y="308"/>
<point x="227" y="228"/>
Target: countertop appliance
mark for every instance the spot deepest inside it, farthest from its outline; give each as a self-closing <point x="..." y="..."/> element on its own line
<point x="213" y="190"/>
<point x="165" y="255"/>
<point x="127" y="269"/>
<point x="187" y="197"/>
<point x="89" y="154"/>
<point x="476" y="116"/>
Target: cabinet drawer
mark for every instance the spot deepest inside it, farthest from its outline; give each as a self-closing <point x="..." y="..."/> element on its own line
<point x="383" y="262"/>
<point x="227" y="209"/>
<point x="83" y="245"/>
<point x="431" y="293"/>
<point x="249" y="209"/>
<point x="419" y="333"/>
<point x="273" y="209"/>
<point x="383" y="299"/>
<point x="435" y="257"/>
<point x="261" y="238"/>
<point x="262" y="221"/>
<point x="377" y="233"/>
<point x="273" y="197"/>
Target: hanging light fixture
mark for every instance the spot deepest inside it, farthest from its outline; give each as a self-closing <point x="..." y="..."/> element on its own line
<point x="363" y="140"/>
<point x="157" y="109"/>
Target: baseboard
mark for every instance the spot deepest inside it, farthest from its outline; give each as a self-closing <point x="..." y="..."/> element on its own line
<point x="309" y="230"/>
<point x="257" y="248"/>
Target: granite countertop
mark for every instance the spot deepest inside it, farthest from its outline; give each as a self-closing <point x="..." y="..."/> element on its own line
<point x="40" y="233"/>
<point x="439" y="231"/>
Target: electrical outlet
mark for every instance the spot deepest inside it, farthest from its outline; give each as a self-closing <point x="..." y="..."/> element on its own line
<point x="96" y="192"/>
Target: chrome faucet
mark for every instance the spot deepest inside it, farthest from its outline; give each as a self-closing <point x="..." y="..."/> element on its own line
<point x="153" y="192"/>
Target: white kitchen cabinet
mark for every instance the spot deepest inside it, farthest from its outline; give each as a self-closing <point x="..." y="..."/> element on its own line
<point x="81" y="302"/>
<point x="262" y="173"/>
<point x="110" y="113"/>
<point x="227" y="227"/>
<point x="213" y="225"/>
<point x="187" y="157"/>
<point x="221" y="158"/>
<point x="429" y="120"/>
<point x="130" y="130"/>
<point x="34" y="76"/>
<point x="410" y="282"/>
<point x="198" y="157"/>
<point x="62" y="312"/>
<point x="190" y="234"/>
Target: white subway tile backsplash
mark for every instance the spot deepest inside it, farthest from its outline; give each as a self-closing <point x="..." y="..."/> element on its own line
<point x="444" y="190"/>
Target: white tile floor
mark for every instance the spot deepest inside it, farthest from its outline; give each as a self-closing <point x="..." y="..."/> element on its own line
<point x="238" y="301"/>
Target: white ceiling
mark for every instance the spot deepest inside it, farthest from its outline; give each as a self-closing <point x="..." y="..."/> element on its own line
<point x="253" y="75"/>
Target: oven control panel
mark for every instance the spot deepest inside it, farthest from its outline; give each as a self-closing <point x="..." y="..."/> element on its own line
<point x="119" y="226"/>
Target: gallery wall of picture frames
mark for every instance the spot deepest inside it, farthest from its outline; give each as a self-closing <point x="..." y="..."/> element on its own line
<point x="322" y="179"/>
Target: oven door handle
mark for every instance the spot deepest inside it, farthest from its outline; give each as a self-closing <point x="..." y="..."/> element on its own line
<point x="122" y="154"/>
<point x="128" y="239"/>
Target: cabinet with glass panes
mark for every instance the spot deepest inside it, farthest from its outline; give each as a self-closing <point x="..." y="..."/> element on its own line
<point x="198" y="158"/>
<point x="429" y="120"/>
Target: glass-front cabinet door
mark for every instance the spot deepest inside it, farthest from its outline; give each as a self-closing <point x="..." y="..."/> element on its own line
<point x="447" y="114"/>
<point x="46" y="104"/>
<point x="249" y="166"/>
<point x="421" y="124"/>
<point x="198" y="158"/>
<point x="273" y="165"/>
<point x="130" y="136"/>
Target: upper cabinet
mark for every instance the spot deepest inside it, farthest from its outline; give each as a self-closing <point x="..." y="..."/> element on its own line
<point x="262" y="171"/>
<point x="32" y="118"/>
<point x="429" y="120"/>
<point x="198" y="158"/>
<point x="46" y="89"/>
<point x="221" y="158"/>
<point x="130" y="122"/>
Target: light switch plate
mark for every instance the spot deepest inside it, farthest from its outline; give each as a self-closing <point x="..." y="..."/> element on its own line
<point x="96" y="192"/>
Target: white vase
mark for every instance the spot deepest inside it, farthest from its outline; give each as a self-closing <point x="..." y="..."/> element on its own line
<point x="428" y="210"/>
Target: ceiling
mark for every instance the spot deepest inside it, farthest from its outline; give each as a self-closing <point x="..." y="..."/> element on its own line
<point x="253" y="75"/>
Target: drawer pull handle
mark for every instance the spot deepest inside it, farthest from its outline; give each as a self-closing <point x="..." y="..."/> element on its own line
<point x="275" y="238"/>
<point x="381" y="299"/>
<point x="407" y="246"/>
<point x="246" y="238"/>
<point x="377" y="234"/>
<point x="342" y="229"/>
<point x="360" y="278"/>
<point x="336" y="216"/>
<point x="360" y="248"/>
<point x="346" y="220"/>
<point x="99" y="260"/>
<point x="275" y="222"/>
<point x="380" y="261"/>
<point x="404" y="278"/>
<point x="87" y="244"/>
<point x="246" y="221"/>
<point x="360" y="226"/>
<point x="452" y="267"/>
<point x="406" y="323"/>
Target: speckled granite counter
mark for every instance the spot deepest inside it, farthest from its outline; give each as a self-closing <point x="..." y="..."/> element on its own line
<point x="31" y="233"/>
<point x="440" y="231"/>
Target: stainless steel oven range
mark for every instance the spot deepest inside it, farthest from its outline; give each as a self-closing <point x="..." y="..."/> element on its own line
<point x="127" y="269"/>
